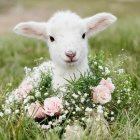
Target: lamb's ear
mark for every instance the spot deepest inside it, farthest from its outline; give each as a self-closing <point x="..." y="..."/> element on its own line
<point x="31" y="29"/>
<point x="99" y="22"/>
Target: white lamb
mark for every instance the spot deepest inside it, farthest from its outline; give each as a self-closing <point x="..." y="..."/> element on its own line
<point x="67" y="35"/>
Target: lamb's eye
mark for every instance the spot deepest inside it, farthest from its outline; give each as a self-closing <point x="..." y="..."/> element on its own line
<point x="51" y="39"/>
<point x="83" y="36"/>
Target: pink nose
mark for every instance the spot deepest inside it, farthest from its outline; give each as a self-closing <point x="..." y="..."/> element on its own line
<point x="70" y="54"/>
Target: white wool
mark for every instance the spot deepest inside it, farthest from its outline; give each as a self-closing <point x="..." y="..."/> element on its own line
<point x="67" y="29"/>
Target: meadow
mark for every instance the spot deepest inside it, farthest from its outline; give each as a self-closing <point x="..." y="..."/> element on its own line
<point x="122" y="38"/>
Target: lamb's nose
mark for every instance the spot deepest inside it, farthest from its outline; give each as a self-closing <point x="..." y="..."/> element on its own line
<point x="70" y="54"/>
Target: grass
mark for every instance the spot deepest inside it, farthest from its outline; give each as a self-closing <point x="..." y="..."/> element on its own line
<point x="17" y="52"/>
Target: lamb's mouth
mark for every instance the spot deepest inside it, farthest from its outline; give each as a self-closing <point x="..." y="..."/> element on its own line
<point x="71" y="61"/>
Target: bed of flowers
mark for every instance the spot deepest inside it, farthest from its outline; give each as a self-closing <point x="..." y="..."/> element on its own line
<point x="107" y="89"/>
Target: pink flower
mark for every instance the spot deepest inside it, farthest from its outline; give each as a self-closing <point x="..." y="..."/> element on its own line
<point x="108" y="83"/>
<point x="25" y="88"/>
<point x="52" y="106"/>
<point x="36" y="111"/>
<point x="101" y="94"/>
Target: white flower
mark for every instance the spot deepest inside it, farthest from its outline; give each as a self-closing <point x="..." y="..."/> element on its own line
<point x="85" y="94"/>
<point x="100" y="67"/>
<point x="79" y="92"/>
<point x="112" y="118"/>
<point x="46" y="93"/>
<point x="66" y="103"/>
<point x="120" y="71"/>
<point x="105" y="113"/>
<point x="83" y="119"/>
<point x="45" y="126"/>
<point x="77" y="108"/>
<point x="75" y="96"/>
<point x="11" y="98"/>
<point x="73" y="102"/>
<point x="82" y="100"/>
<point x="7" y="101"/>
<point x="50" y="123"/>
<point x="66" y="111"/>
<point x="112" y="113"/>
<point x="8" y="111"/>
<point x="88" y="109"/>
<point x="1" y="114"/>
<point x="100" y="109"/>
<point x="107" y="71"/>
<point x="60" y="118"/>
<point x="16" y="111"/>
<point x="73" y="112"/>
<point x="98" y="118"/>
<point x="30" y="97"/>
<point x="25" y="101"/>
<point x="118" y="102"/>
<point x="95" y="63"/>
<point x="37" y="94"/>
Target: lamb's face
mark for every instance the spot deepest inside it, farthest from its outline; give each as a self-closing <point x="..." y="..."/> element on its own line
<point x="67" y="40"/>
<point x="66" y="34"/>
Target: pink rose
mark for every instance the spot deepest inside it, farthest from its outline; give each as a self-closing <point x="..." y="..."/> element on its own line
<point x="25" y="88"/>
<point x="108" y="83"/>
<point x="101" y="94"/>
<point x="52" y="106"/>
<point x="36" y="111"/>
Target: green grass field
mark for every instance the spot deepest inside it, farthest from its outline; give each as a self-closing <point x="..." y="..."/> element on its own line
<point x="122" y="38"/>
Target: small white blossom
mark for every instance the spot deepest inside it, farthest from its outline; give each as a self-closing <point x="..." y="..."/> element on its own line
<point x="73" y="112"/>
<point x="46" y="93"/>
<point x="37" y="94"/>
<point x="100" y="67"/>
<point x="98" y="118"/>
<point x="120" y="71"/>
<point x="83" y="119"/>
<point x="105" y="113"/>
<point x="1" y="114"/>
<point x="8" y="111"/>
<point x="45" y="126"/>
<point x="85" y="94"/>
<point x="112" y="113"/>
<point x="100" y="109"/>
<point x="88" y="109"/>
<point x="107" y="71"/>
<point x="73" y="102"/>
<point x="16" y="111"/>
<point x="66" y="103"/>
<point x="7" y="101"/>
<point x="79" y="92"/>
<point x="75" y="96"/>
<point x="112" y="118"/>
<point x="77" y="108"/>
<point x="25" y="101"/>
<point x="66" y="111"/>
<point x="50" y="123"/>
<point x="118" y="102"/>
<point x="82" y="100"/>
<point x="95" y="63"/>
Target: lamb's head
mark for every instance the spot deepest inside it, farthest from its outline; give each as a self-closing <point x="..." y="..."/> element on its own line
<point x="66" y="34"/>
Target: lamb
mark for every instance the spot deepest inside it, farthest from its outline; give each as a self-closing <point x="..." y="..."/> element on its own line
<point x="67" y="35"/>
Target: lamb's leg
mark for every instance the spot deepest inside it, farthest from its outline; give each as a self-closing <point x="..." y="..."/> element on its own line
<point x="32" y="81"/>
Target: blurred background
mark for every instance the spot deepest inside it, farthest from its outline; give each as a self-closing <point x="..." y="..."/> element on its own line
<point x="14" y="11"/>
<point x="16" y="52"/>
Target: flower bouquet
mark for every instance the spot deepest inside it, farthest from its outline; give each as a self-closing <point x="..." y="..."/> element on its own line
<point x="105" y="90"/>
